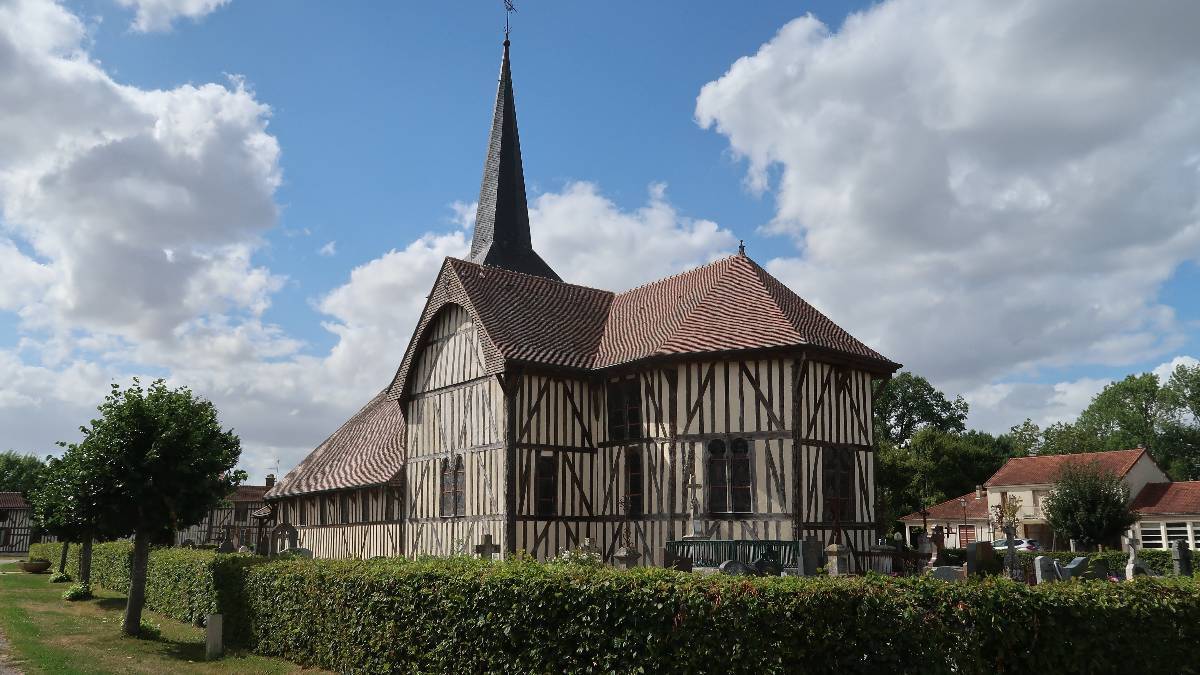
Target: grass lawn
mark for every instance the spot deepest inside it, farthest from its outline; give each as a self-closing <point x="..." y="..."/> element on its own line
<point x="47" y="634"/>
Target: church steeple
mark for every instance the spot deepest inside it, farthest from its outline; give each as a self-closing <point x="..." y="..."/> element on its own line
<point x="502" y="221"/>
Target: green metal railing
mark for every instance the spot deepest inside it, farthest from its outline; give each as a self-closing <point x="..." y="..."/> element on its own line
<point x="713" y="552"/>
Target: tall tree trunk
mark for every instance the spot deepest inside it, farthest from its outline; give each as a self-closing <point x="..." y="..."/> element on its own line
<point x="137" y="584"/>
<point x="62" y="560"/>
<point x="85" y="561"/>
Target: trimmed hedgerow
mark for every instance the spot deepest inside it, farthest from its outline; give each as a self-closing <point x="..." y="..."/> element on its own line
<point x="184" y="584"/>
<point x="469" y="616"/>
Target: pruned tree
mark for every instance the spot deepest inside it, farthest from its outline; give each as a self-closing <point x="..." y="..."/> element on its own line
<point x="162" y="461"/>
<point x="1089" y="504"/>
<point x="62" y="504"/>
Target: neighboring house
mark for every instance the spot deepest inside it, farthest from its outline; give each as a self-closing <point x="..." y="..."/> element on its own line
<point x="538" y="414"/>
<point x="1031" y="478"/>
<point x="16" y="523"/>
<point x="235" y="522"/>
<point x="963" y="520"/>
<point x="1168" y="512"/>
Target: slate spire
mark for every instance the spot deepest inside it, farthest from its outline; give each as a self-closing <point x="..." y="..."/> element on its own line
<point x="502" y="222"/>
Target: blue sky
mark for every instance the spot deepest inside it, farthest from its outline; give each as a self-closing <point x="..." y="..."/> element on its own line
<point x="251" y="196"/>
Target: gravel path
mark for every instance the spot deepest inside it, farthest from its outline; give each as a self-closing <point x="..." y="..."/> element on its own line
<point x="6" y="667"/>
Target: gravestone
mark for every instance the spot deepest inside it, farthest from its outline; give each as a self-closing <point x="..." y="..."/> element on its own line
<point x="937" y="543"/>
<point x="737" y="568"/>
<point x="1076" y="569"/>
<point x="626" y="557"/>
<point x="810" y="556"/>
<point x="1135" y="566"/>
<point x="679" y="563"/>
<point x="1181" y="558"/>
<point x="837" y="560"/>
<point x="226" y="547"/>
<point x="1044" y="570"/>
<point x="947" y="572"/>
<point x="1097" y="569"/>
<point x="214" y="636"/>
<point x="980" y="557"/>
<point x="244" y="549"/>
<point x="768" y="566"/>
<point x="486" y="547"/>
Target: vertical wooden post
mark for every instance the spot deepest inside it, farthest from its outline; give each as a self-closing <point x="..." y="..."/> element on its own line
<point x="214" y="646"/>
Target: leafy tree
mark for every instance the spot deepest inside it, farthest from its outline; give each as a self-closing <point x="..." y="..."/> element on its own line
<point x="935" y="466"/>
<point x="1026" y="438"/>
<point x="908" y="403"/>
<point x="162" y="461"/>
<point x="1182" y="390"/>
<point x="61" y="505"/>
<point x="1127" y="414"/>
<point x="1089" y="504"/>
<point x="1063" y="438"/>
<point x="18" y="472"/>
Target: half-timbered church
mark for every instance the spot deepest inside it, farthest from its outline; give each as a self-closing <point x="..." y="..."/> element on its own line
<point x="541" y="413"/>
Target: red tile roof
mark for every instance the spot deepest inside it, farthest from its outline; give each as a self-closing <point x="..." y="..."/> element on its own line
<point x="1044" y="469"/>
<point x="951" y="510"/>
<point x="366" y="450"/>
<point x="248" y="493"/>
<point x="12" y="500"/>
<point x="1181" y="497"/>
<point x="728" y="305"/>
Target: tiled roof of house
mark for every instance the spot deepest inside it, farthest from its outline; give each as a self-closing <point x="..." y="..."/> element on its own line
<point x="248" y="493"/>
<point x="366" y="450"/>
<point x="1045" y="469"/>
<point x="12" y="500"/>
<point x="1180" y="497"/>
<point x="950" y="509"/>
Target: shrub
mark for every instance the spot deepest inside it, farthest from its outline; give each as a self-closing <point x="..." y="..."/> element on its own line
<point x="60" y="578"/>
<point x="462" y="615"/>
<point x="184" y="584"/>
<point x="78" y="592"/>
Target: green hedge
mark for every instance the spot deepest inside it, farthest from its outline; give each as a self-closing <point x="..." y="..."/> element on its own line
<point x="465" y="615"/>
<point x="184" y="584"/>
<point x="469" y="616"/>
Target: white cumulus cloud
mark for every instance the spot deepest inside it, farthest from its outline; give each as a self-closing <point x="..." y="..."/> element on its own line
<point x="978" y="188"/>
<point x="160" y="15"/>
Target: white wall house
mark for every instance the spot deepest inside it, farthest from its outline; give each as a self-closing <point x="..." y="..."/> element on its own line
<point x="1169" y="512"/>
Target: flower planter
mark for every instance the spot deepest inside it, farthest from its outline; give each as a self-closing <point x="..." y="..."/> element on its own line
<point x="35" y="566"/>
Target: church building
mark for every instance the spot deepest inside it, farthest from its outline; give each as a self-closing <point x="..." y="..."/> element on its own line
<point x="535" y="413"/>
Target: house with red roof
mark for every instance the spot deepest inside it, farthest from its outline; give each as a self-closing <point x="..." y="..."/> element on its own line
<point x="532" y="414"/>
<point x="1168" y="511"/>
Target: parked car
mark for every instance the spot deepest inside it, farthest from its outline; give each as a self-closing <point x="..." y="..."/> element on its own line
<point x="1018" y="544"/>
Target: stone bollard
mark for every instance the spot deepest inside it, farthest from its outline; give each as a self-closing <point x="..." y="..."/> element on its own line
<point x="214" y="646"/>
<point x="838" y="560"/>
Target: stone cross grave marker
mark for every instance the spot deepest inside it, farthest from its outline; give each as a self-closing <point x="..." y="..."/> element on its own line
<point x="226" y="547"/>
<point x="486" y="548"/>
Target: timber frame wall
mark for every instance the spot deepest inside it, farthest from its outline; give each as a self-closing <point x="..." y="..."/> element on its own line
<point x="804" y="417"/>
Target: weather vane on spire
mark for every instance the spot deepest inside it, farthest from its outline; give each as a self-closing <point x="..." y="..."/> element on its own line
<point x="509" y="8"/>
